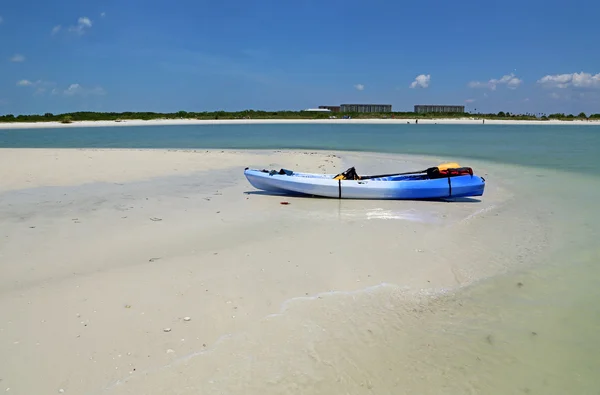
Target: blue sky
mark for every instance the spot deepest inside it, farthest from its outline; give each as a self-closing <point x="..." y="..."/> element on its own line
<point x="79" y="55"/>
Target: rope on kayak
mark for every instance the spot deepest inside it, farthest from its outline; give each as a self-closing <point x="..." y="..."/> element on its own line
<point x="339" y="189"/>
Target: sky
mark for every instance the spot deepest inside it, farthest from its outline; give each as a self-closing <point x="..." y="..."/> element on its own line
<point x="528" y="56"/>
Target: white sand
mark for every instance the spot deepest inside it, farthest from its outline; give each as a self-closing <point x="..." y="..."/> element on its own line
<point x="48" y="167"/>
<point x="102" y="250"/>
<point x="459" y="121"/>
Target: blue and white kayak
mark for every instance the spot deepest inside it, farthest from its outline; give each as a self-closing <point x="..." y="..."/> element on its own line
<point x="401" y="186"/>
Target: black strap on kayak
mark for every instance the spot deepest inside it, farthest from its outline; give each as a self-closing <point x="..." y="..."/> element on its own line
<point x="339" y="189"/>
<point x="449" y="186"/>
<point x="394" y="174"/>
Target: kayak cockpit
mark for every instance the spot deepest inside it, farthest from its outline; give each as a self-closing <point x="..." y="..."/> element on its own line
<point x="445" y="170"/>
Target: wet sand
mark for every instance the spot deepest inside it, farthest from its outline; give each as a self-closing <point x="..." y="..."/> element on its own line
<point x="157" y="271"/>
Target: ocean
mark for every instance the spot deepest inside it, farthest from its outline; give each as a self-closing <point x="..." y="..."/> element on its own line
<point x="553" y="146"/>
<point x="534" y="328"/>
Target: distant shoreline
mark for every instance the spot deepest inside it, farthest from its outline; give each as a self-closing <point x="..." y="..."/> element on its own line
<point x="374" y="121"/>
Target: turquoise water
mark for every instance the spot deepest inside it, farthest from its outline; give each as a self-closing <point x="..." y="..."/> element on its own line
<point x="574" y="148"/>
<point x="534" y="329"/>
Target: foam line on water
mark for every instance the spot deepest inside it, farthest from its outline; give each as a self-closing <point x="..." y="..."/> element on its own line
<point x="284" y="307"/>
<point x="286" y="304"/>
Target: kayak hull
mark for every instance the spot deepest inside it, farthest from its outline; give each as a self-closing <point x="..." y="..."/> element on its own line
<point x="411" y="187"/>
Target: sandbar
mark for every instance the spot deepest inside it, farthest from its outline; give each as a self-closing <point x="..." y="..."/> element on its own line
<point x="128" y="271"/>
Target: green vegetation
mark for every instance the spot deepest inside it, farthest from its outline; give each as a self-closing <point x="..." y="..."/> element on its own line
<point x="251" y="114"/>
<point x="67" y="119"/>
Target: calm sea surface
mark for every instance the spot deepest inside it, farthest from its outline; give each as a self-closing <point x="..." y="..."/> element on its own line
<point x="573" y="148"/>
<point x="532" y="330"/>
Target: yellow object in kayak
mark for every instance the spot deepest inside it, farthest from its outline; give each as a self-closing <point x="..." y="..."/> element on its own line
<point x="446" y="166"/>
<point x="351" y="174"/>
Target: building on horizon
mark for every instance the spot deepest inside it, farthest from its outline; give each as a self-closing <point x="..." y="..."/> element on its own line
<point x="366" y="108"/>
<point x="331" y="108"/>
<point x="424" y="108"/>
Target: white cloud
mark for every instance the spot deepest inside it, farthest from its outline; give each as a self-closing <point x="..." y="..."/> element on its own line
<point x="477" y="84"/>
<point x="421" y="80"/>
<point x="103" y="14"/>
<point x="56" y="29"/>
<point x="510" y="80"/>
<point x="83" y="23"/>
<point x="359" y="87"/>
<point x="512" y="83"/>
<point x="575" y="80"/>
<point x="17" y="58"/>
<point x="73" y="89"/>
<point x="469" y="100"/>
<point x="78" y="90"/>
<point x="40" y="86"/>
<point x="555" y="95"/>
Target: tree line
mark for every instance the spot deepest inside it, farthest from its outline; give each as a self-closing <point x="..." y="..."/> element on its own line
<point x="253" y="114"/>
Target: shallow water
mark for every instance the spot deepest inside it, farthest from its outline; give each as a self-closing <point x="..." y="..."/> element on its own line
<point x="534" y="327"/>
<point x="500" y="337"/>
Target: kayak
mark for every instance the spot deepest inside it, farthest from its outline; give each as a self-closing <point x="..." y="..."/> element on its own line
<point x="432" y="183"/>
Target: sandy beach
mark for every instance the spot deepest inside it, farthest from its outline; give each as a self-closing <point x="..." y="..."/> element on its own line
<point x="163" y="271"/>
<point x="157" y="122"/>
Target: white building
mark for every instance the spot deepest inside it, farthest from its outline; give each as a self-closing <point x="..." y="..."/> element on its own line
<point x="318" y="109"/>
